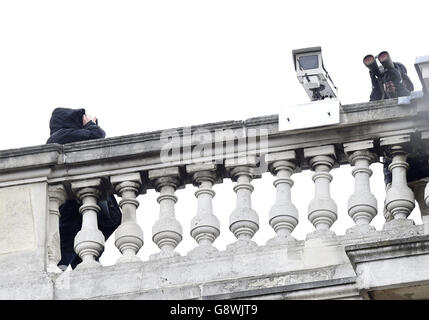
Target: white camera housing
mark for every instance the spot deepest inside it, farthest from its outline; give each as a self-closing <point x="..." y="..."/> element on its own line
<point x="422" y="68"/>
<point x="312" y="74"/>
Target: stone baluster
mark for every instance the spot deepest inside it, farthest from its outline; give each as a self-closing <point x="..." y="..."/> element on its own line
<point x="387" y="215"/>
<point x="283" y="216"/>
<point x="243" y="221"/>
<point x="322" y="210"/>
<point x="425" y="216"/>
<point x="57" y="196"/>
<point x="89" y="241"/>
<point x="205" y="226"/>
<point x="167" y="231"/>
<point x="399" y="197"/>
<point x="362" y="204"/>
<point x="129" y="235"/>
<point x="427" y="194"/>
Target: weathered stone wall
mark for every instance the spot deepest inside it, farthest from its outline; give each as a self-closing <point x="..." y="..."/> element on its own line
<point x="363" y="263"/>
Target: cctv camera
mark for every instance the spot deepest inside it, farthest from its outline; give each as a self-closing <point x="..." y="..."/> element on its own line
<point x="422" y="68"/>
<point x="312" y="74"/>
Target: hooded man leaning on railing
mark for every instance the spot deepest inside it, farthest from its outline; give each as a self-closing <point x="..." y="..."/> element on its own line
<point x="390" y="80"/>
<point x="72" y="125"/>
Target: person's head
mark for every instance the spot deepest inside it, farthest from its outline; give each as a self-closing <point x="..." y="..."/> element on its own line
<point x="66" y="118"/>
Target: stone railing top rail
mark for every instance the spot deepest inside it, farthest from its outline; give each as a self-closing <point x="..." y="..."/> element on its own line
<point x="370" y="120"/>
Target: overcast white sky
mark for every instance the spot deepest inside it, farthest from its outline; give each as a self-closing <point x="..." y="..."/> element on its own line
<point x="149" y="65"/>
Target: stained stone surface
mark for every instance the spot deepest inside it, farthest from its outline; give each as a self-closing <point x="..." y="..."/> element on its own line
<point x="17" y="230"/>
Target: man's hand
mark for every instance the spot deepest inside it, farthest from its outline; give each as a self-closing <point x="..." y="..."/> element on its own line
<point x="94" y="119"/>
<point x="86" y="119"/>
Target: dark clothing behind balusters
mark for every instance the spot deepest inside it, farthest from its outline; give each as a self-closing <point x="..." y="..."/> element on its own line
<point x="66" y="126"/>
<point x="419" y="168"/>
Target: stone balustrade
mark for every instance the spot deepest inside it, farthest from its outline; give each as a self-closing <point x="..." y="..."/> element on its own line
<point x="41" y="178"/>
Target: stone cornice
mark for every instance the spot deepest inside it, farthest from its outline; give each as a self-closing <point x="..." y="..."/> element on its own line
<point x="370" y="120"/>
<point x="388" y="249"/>
<point x="30" y="157"/>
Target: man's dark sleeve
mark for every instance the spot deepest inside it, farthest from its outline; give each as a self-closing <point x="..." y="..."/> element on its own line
<point x="92" y="130"/>
<point x="88" y="132"/>
<point x="377" y="92"/>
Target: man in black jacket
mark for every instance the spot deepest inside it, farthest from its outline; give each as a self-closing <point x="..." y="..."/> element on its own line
<point x="72" y="125"/>
<point x="393" y="83"/>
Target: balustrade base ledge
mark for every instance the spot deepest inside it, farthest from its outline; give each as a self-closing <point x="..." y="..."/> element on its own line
<point x="281" y="240"/>
<point x="89" y="265"/>
<point x="264" y="271"/>
<point x="242" y="246"/>
<point x="203" y="251"/>
<point x="363" y="229"/>
<point x="286" y="271"/>
<point x="129" y="259"/>
<point x="396" y="224"/>
<point x="322" y="235"/>
<point x="167" y="254"/>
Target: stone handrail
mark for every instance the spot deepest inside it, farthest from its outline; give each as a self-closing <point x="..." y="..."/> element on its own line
<point x="35" y="181"/>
